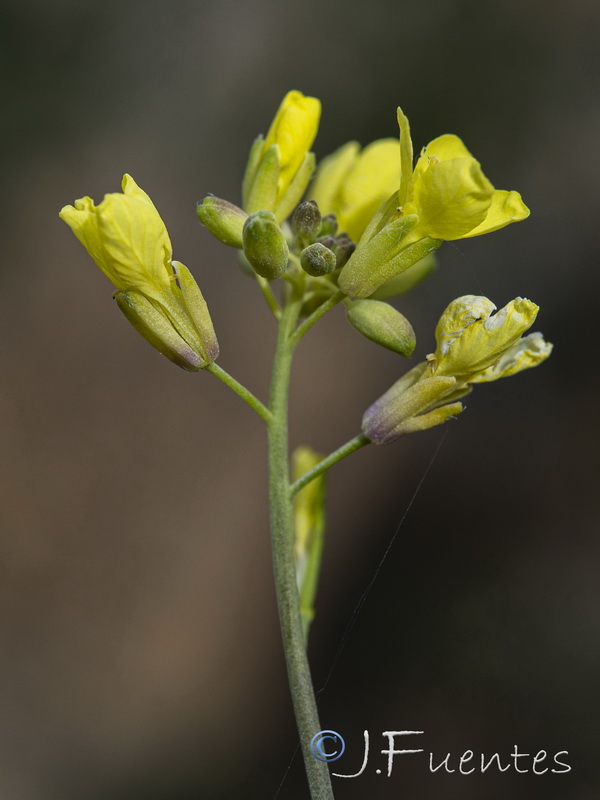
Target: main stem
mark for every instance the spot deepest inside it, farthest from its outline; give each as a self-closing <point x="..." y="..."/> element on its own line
<point x="282" y="535"/>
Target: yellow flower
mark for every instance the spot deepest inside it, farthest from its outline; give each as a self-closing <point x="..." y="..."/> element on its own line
<point x="129" y="242"/>
<point x="280" y="167"/>
<point x="449" y="193"/>
<point x="353" y="184"/>
<point x="446" y="196"/>
<point x="475" y="346"/>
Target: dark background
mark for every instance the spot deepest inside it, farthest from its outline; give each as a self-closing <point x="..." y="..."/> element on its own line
<point x="140" y="649"/>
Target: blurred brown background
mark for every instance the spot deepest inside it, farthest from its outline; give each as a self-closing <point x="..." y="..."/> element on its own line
<point x="140" y="653"/>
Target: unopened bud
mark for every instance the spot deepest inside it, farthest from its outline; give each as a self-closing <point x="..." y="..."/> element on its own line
<point x="224" y="220"/>
<point x="329" y="225"/>
<point x="317" y="260"/>
<point x="344" y="249"/>
<point x="382" y="324"/>
<point x="306" y="221"/>
<point x="265" y="245"/>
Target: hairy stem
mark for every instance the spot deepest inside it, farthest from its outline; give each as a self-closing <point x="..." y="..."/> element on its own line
<point x="282" y="535"/>
<point x="240" y="390"/>
<point x="337" y="455"/>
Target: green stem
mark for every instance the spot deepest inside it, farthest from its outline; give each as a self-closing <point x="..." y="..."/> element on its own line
<point x="337" y="455"/>
<point x="240" y="390"/>
<point x="282" y="535"/>
<point x="265" y="288"/>
<point x="316" y="316"/>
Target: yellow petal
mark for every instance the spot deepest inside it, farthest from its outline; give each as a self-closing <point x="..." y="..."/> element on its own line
<point x="526" y="353"/>
<point x="370" y="181"/>
<point x="82" y="220"/>
<point x="330" y="177"/>
<point x="451" y="198"/>
<point x="443" y="148"/>
<point x="480" y="343"/>
<point x="126" y="238"/>
<point x="135" y="242"/>
<point x="293" y="129"/>
<point x="506" y="207"/>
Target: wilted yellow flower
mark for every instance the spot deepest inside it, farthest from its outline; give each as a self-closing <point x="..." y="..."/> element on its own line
<point x="476" y="346"/>
<point x="281" y="166"/>
<point x="128" y="240"/>
<point x="473" y="346"/>
<point x="352" y="184"/>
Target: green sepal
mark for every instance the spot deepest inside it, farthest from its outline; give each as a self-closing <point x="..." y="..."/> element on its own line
<point x="297" y="187"/>
<point x="370" y="259"/>
<point x="157" y="329"/>
<point x="425" y="421"/>
<point x="265" y="245"/>
<point x="197" y="309"/>
<point x="403" y="283"/>
<point x="364" y="281"/>
<point x="383" y="324"/>
<point x="254" y="157"/>
<point x="223" y="219"/>
<point x="263" y="192"/>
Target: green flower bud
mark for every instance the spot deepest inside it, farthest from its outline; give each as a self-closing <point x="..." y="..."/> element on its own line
<point x="343" y="249"/>
<point x="382" y="324"/>
<point x="329" y="225"/>
<point x="318" y="260"/>
<point x="224" y="220"/>
<point x="265" y="245"/>
<point x="306" y="221"/>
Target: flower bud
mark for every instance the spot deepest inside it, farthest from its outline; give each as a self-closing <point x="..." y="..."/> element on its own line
<point x="382" y="324"/>
<point x="329" y="225"/>
<point x="344" y="248"/>
<point x="280" y="166"/>
<point x="265" y="245"/>
<point x="317" y="260"/>
<point x="306" y="221"/>
<point x="224" y="220"/>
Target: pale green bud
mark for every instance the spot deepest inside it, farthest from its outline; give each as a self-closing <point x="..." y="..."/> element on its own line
<point x="470" y="339"/>
<point x="382" y="324"/>
<point x="224" y="220"/>
<point x="265" y="245"/>
<point x="317" y="260"/>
